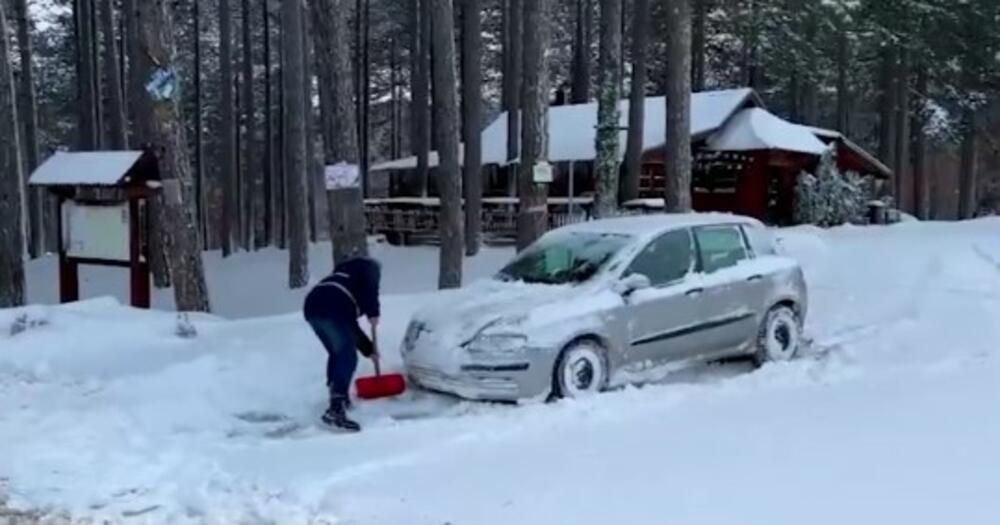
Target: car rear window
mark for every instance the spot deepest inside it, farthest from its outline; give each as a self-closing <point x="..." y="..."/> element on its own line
<point x="761" y="240"/>
<point x="720" y="247"/>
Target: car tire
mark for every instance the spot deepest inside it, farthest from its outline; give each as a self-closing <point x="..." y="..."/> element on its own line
<point x="779" y="337"/>
<point x="580" y="371"/>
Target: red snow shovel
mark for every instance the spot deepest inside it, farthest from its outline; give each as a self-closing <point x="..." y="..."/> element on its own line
<point x="379" y="385"/>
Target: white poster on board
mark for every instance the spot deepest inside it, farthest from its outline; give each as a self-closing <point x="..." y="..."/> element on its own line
<point x="342" y="176"/>
<point x="96" y="231"/>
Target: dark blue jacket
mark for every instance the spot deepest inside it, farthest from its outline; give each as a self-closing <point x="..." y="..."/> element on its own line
<point x="350" y="292"/>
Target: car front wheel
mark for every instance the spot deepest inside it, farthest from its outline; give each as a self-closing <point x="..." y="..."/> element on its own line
<point x="779" y="337"/>
<point x="580" y="370"/>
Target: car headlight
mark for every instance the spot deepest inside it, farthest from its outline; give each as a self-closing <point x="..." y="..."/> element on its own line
<point x="497" y="344"/>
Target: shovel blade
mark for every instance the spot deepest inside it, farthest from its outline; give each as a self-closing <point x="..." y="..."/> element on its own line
<point x="374" y="387"/>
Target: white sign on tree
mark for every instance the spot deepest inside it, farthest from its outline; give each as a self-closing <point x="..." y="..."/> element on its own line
<point x="342" y="176"/>
<point x="542" y="172"/>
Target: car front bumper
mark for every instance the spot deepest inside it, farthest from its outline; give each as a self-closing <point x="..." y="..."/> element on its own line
<point x="524" y="377"/>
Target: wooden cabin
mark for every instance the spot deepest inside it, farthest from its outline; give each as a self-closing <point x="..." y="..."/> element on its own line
<point x="746" y="160"/>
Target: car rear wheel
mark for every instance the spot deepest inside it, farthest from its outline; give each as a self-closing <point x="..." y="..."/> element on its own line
<point x="780" y="336"/>
<point x="581" y="370"/>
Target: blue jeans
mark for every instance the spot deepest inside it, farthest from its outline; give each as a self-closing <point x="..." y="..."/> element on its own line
<point x="342" y="358"/>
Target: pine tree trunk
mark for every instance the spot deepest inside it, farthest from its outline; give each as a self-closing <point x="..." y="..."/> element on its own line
<point x="637" y="101"/>
<point x="887" y="108"/>
<point x="843" y="89"/>
<point x="340" y="137"/>
<point x="472" y="117"/>
<point x="748" y="57"/>
<point x="697" y="42"/>
<point x="608" y="86"/>
<point x="921" y="193"/>
<point x="366" y="97"/>
<point x="810" y="88"/>
<point x="95" y="47"/>
<point x="317" y="192"/>
<point x="268" y="165"/>
<point x="449" y="174"/>
<point x="167" y="134"/>
<point x="118" y="139"/>
<point x="28" y="113"/>
<point x="296" y="166"/>
<point x="678" y="148"/>
<point x="89" y="131"/>
<point x="968" y="164"/>
<point x="395" y="120"/>
<point x="794" y="97"/>
<point x="128" y="50"/>
<point x="902" y="135"/>
<point x="227" y="128"/>
<point x="280" y="184"/>
<point x="12" y="289"/>
<point x="251" y="169"/>
<point x="513" y="76"/>
<point x="580" y="88"/>
<point x="532" y="216"/>
<point x="421" y="139"/>
<point x="199" y="165"/>
<point x="143" y="135"/>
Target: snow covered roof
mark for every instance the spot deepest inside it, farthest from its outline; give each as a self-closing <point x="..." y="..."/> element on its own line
<point x="85" y="168"/>
<point x="572" y="128"/>
<point x="654" y="223"/>
<point x="759" y="129"/>
<point x="851" y="145"/>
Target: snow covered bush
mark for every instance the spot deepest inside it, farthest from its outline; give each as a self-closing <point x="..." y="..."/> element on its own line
<point x="831" y="198"/>
<point x="21" y="320"/>
<point x="185" y="328"/>
<point x="989" y="199"/>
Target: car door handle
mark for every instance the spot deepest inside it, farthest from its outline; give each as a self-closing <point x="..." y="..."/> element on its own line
<point x="753" y="278"/>
<point x="694" y="292"/>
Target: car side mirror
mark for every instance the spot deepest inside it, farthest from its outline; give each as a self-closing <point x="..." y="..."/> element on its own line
<point x="630" y="283"/>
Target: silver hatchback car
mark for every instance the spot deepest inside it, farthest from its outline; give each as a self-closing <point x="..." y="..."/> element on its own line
<point x="603" y="303"/>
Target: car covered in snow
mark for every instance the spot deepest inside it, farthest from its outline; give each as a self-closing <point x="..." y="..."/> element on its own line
<point x="598" y="304"/>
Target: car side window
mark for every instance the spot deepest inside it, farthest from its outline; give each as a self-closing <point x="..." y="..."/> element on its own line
<point x="720" y="247"/>
<point x="666" y="259"/>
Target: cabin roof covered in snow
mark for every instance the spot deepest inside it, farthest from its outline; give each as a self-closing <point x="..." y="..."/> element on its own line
<point x="640" y="225"/>
<point x="851" y="145"/>
<point x="572" y="128"/>
<point x="85" y="168"/>
<point x="758" y="129"/>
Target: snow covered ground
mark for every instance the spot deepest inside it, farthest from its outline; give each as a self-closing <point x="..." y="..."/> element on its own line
<point x="106" y="414"/>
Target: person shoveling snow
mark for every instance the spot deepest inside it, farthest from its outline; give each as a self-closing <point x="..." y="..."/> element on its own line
<point x="332" y="309"/>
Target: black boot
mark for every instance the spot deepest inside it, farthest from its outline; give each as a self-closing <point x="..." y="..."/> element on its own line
<point x="336" y="415"/>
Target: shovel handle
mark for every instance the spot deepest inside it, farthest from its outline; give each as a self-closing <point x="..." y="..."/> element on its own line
<point x="375" y="356"/>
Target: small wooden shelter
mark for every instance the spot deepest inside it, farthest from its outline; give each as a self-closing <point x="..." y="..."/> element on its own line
<point x="103" y="217"/>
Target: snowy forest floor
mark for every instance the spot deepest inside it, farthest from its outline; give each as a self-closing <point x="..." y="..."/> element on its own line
<point x="105" y="414"/>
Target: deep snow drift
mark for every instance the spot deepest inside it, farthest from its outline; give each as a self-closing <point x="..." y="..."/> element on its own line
<point x="105" y="413"/>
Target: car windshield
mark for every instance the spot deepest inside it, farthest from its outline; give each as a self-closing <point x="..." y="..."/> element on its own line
<point x="564" y="257"/>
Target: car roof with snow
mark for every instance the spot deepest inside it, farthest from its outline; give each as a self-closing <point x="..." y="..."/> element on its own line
<point x="643" y="225"/>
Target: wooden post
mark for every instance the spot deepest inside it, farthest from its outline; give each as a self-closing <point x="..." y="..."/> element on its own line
<point x="139" y="292"/>
<point x="572" y="175"/>
<point x="69" y="275"/>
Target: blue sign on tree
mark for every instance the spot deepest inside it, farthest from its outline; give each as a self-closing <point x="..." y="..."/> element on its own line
<point x="162" y="85"/>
